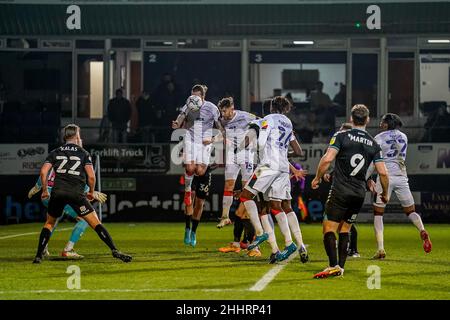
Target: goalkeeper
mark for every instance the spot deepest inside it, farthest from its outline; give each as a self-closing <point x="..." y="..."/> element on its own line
<point x="80" y="226"/>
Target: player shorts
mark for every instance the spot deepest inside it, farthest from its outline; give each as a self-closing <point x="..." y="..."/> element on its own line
<point x="67" y="209"/>
<point x="196" y="152"/>
<point x="202" y="185"/>
<point x="274" y="184"/>
<point x="232" y="171"/>
<point x="398" y="184"/>
<point x="342" y="207"/>
<point x="60" y="199"/>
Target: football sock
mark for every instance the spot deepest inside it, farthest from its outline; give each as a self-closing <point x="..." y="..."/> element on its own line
<point x="194" y="225"/>
<point x="252" y="211"/>
<point x="378" y="225"/>
<point x="343" y="248"/>
<point x="187" y="219"/>
<point x="77" y="232"/>
<point x="227" y="202"/>
<point x="268" y="228"/>
<point x="43" y="240"/>
<point x="329" y="241"/>
<point x="56" y="224"/>
<point x="105" y="236"/>
<point x="249" y="230"/>
<point x="295" y="228"/>
<point x="188" y="181"/>
<point x="353" y="239"/>
<point x="415" y="218"/>
<point x="271" y="221"/>
<point x="282" y="220"/>
<point x="237" y="230"/>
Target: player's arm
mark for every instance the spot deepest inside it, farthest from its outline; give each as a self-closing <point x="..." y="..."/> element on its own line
<point x="384" y="180"/>
<point x="44" y="179"/>
<point x="220" y="137"/>
<point x="370" y="182"/>
<point x="89" y="168"/>
<point x="264" y="133"/>
<point x="178" y="123"/>
<point x="298" y="174"/>
<point x="324" y="165"/>
<point x="296" y="147"/>
<point x="99" y="196"/>
<point x="36" y="188"/>
<point x="251" y="136"/>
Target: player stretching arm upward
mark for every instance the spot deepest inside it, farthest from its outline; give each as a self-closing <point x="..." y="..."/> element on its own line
<point x="197" y="144"/>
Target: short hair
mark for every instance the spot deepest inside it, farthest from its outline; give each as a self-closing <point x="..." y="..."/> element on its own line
<point x="392" y="120"/>
<point x="225" y="103"/>
<point x="119" y="91"/>
<point x="200" y="87"/>
<point x="360" y="113"/>
<point x="281" y="104"/>
<point x="70" y="131"/>
<point x="346" y="126"/>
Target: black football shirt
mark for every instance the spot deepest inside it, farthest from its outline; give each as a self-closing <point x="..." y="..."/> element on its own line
<point x="357" y="149"/>
<point x="68" y="161"/>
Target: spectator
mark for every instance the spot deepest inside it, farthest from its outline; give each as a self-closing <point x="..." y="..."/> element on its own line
<point x="147" y="116"/>
<point x="2" y="96"/>
<point x="289" y="97"/>
<point x="322" y="106"/>
<point x="119" y="113"/>
<point x="340" y="100"/>
<point x="168" y="100"/>
<point x="438" y="126"/>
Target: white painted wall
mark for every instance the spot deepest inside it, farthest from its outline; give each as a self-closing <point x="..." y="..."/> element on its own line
<point x="96" y="89"/>
<point x="434" y="79"/>
<point x="271" y="76"/>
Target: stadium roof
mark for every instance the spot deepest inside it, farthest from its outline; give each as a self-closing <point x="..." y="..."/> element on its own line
<point x="210" y="20"/>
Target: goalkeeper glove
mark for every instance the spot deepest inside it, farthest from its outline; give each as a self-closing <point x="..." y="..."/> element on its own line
<point x="33" y="191"/>
<point x="100" y="197"/>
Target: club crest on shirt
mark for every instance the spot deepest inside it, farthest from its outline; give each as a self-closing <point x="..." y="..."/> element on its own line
<point x="264" y="124"/>
<point x="333" y="140"/>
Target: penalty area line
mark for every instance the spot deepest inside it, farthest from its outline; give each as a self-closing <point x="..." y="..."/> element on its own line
<point x="270" y="275"/>
<point x="29" y="234"/>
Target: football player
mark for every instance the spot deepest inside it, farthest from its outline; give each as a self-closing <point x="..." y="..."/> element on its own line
<point x="73" y="170"/>
<point x="79" y="227"/>
<point x="394" y="144"/>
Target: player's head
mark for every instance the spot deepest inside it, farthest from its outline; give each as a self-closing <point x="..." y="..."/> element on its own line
<point x="360" y="115"/>
<point x="119" y="93"/>
<point x="390" y="121"/>
<point x="280" y="104"/>
<point x="199" y="90"/>
<point x="346" y="126"/>
<point x="226" y="107"/>
<point x="319" y="86"/>
<point x="72" y="134"/>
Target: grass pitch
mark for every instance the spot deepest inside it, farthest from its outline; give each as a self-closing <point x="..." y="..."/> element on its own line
<point x="164" y="268"/>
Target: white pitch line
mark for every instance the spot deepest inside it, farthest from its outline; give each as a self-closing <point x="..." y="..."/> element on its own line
<point x="116" y="290"/>
<point x="28" y="234"/>
<point x="270" y="275"/>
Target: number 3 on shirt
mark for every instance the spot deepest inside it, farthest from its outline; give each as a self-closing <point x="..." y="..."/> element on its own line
<point x="395" y="148"/>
